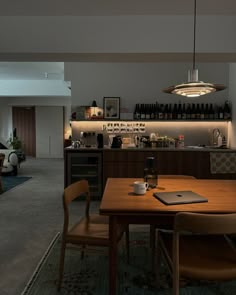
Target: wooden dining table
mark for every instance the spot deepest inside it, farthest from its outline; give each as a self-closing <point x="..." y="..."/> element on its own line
<point x="124" y="207"/>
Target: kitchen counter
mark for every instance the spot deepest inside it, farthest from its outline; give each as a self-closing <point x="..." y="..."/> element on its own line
<point x="187" y="148"/>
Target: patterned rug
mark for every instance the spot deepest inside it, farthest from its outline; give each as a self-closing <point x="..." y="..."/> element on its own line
<point x="9" y="182"/>
<point x="89" y="276"/>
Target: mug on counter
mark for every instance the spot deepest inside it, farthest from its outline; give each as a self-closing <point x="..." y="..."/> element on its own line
<point x="140" y="187"/>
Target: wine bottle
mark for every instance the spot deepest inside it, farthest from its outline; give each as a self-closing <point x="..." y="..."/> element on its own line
<point x="227" y="111"/>
<point x="170" y="112"/>
<point x="202" y="112"/>
<point x="147" y="112"/>
<point x="184" y="115"/>
<point x="211" y="112"/>
<point x="193" y="111"/>
<point x="179" y="112"/>
<point x="221" y="112"/>
<point x="206" y="113"/>
<point x="188" y="112"/>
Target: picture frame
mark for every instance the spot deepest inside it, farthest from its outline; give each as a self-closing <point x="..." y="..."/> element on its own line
<point x="111" y="107"/>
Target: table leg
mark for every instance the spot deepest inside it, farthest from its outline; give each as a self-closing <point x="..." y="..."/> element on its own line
<point x="112" y="254"/>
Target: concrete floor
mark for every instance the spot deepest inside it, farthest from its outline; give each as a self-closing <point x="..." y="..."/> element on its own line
<point x="30" y="216"/>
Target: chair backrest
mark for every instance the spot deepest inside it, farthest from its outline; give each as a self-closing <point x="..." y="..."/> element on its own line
<point x="205" y="223"/>
<point x="74" y="191"/>
<point x="2" y="157"/>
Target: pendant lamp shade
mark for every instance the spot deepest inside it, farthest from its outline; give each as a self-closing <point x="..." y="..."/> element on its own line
<point x="194" y="87"/>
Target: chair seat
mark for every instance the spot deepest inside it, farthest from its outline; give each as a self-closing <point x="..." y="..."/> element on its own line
<point x="97" y="218"/>
<point x="93" y="231"/>
<point x="204" y="256"/>
<point x="85" y="232"/>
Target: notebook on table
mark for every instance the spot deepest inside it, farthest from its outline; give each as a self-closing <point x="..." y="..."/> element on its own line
<point x="179" y="197"/>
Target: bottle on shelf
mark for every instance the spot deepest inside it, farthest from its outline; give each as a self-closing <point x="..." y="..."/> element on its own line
<point x="175" y="112"/>
<point x="198" y="112"/>
<point x="142" y="112"/>
<point x="206" y="112"/>
<point x="193" y="112"/>
<point x="211" y="112"/>
<point x="136" y="111"/>
<point x="227" y="111"/>
<point x="221" y="112"/>
<point x="184" y="115"/>
<point x="166" y="112"/>
<point x="188" y="112"/>
<point x="202" y="112"/>
<point x="160" y="113"/>
<point x="147" y="112"/>
<point x="179" y="112"/>
<point x="170" y="112"/>
<point x="216" y="113"/>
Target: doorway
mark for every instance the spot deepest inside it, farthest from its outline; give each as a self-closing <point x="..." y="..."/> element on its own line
<point x="23" y="119"/>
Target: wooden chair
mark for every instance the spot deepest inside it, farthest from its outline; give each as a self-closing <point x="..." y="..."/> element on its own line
<point x="92" y="229"/>
<point x="2" y="157"/>
<point x="165" y="222"/>
<point x="199" y="247"/>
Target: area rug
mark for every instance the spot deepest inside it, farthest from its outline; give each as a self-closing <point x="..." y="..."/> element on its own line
<point x="89" y="276"/>
<point x="9" y="182"/>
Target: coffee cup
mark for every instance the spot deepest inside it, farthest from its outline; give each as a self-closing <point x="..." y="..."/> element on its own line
<point x="140" y="187"/>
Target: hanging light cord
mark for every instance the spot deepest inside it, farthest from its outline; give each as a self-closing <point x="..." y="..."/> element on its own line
<point x="194" y="33"/>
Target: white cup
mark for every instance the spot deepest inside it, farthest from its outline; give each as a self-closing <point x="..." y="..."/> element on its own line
<point x="140" y="187"/>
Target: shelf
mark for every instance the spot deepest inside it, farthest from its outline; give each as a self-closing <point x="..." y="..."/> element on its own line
<point x="146" y="121"/>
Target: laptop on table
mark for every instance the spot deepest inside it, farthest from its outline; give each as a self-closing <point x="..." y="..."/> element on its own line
<point x="179" y="197"/>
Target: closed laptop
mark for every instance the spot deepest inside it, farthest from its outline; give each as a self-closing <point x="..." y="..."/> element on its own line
<point x="179" y="197"/>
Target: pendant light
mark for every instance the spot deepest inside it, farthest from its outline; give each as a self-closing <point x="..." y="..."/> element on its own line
<point x="194" y="87"/>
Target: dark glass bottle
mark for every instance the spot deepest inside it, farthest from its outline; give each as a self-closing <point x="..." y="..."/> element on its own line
<point x="216" y="113"/>
<point x="188" y="112"/>
<point x="174" y="113"/>
<point x="166" y="111"/>
<point x="211" y="112"/>
<point x="170" y="112"/>
<point x="150" y="172"/>
<point x="198" y="111"/>
<point x="184" y="115"/>
<point x="227" y="111"/>
<point x="193" y="112"/>
<point x="142" y="112"/>
<point x="202" y="112"/>
<point x="206" y="113"/>
<point x="179" y="112"/>
<point x="221" y="112"/>
<point x="147" y="112"/>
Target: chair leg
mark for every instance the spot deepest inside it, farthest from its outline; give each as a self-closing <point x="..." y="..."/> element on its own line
<point x="127" y="242"/>
<point x="152" y="237"/>
<point x="61" y="267"/>
<point x="82" y="252"/>
<point x="157" y="262"/>
<point x="152" y="240"/>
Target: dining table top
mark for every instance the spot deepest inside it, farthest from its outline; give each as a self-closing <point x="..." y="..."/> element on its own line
<point x="119" y="198"/>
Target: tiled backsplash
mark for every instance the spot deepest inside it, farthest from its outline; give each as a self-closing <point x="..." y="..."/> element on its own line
<point x="195" y="133"/>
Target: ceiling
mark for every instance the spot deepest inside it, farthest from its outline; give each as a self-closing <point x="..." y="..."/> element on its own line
<point x="112" y="7"/>
<point x="55" y="70"/>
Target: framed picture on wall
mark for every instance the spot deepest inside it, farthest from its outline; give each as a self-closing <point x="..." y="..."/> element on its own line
<point x="111" y="107"/>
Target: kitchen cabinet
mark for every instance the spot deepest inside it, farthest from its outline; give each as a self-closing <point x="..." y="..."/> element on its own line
<point x="96" y="165"/>
<point x="85" y="165"/>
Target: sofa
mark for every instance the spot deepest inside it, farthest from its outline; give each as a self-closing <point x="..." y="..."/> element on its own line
<point x="11" y="162"/>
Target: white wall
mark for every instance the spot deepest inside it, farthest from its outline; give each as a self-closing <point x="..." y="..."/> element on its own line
<point x="33" y="88"/>
<point x="74" y="34"/>
<point x="138" y="82"/>
<point x="7" y="103"/>
<point x="49" y="131"/>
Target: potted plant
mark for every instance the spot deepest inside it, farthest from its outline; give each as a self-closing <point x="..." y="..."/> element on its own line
<point x="15" y="142"/>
